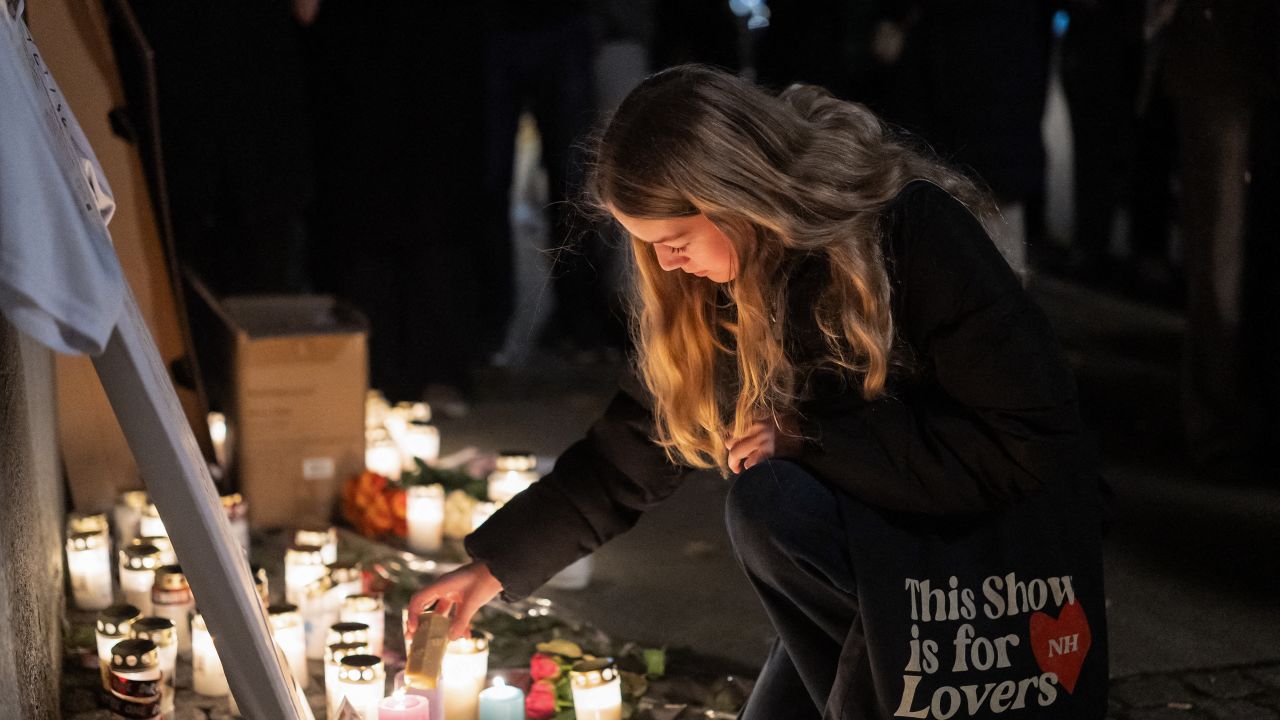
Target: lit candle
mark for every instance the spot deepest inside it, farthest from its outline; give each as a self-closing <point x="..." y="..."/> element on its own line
<point x="207" y="677"/>
<point x="151" y="525"/>
<point x="398" y="418"/>
<point x="347" y="632"/>
<point x="597" y="690"/>
<point x="481" y="512"/>
<point x="325" y="538"/>
<point x="375" y="409"/>
<point x="127" y="515"/>
<point x="501" y="702"/>
<point x="318" y="612"/>
<point x="405" y="707"/>
<point x="290" y="636"/>
<point x="167" y="555"/>
<point x="218" y="435"/>
<point x="333" y="655"/>
<point x="346" y="577"/>
<point x="138" y="565"/>
<point x="420" y="441"/>
<point x="367" y="609"/>
<point x="462" y="675"/>
<point x="303" y="565"/>
<point x="382" y="455"/>
<point x="238" y="515"/>
<point x="134" y="685"/>
<point x="112" y="626"/>
<point x="361" y="680"/>
<point x="82" y="523"/>
<point x="515" y="471"/>
<point x="424" y="506"/>
<point x="89" y="566"/>
<point x="171" y="598"/>
<point x="161" y="632"/>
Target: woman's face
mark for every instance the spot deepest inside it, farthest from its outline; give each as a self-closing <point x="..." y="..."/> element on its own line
<point x="691" y="244"/>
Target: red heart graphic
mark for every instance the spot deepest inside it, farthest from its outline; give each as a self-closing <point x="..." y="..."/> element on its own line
<point x="1060" y="645"/>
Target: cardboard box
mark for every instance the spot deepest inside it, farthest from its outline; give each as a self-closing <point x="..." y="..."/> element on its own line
<point x="291" y="374"/>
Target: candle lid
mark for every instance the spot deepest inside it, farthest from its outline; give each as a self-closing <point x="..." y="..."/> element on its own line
<point x="477" y="642"/>
<point x="134" y="654"/>
<point x="82" y="523"/>
<point x="432" y="490"/>
<point x="315" y="536"/>
<point x="304" y="554"/>
<point x="115" y="620"/>
<point x="159" y="541"/>
<point x="361" y="669"/>
<point x="587" y="674"/>
<point x="170" y="577"/>
<point x="85" y="541"/>
<point x="516" y="460"/>
<point x="420" y="424"/>
<point x="362" y="603"/>
<point x="143" y="556"/>
<point x="344" y="632"/>
<point x="136" y="499"/>
<point x="337" y="651"/>
<point x="342" y="572"/>
<point x="158" y="630"/>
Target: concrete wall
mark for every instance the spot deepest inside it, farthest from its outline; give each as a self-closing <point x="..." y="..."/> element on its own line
<point x="31" y="527"/>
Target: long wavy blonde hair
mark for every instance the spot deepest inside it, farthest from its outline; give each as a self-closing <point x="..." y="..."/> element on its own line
<point x="782" y="176"/>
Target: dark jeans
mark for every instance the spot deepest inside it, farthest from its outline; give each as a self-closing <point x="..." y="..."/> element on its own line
<point x="789" y="536"/>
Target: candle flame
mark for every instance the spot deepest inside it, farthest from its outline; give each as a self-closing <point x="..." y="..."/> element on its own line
<point x="499" y="682"/>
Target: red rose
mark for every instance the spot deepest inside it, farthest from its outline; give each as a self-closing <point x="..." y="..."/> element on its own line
<point x="542" y="667"/>
<point x="540" y="703"/>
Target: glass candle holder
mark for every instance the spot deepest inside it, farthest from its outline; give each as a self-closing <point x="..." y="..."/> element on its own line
<point x="361" y="682"/>
<point x="514" y="471"/>
<point x="420" y="441"/>
<point x="138" y="565"/>
<point x="398" y="418"/>
<point x="238" y="516"/>
<point x="171" y="598"/>
<point x="290" y="635"/>
<point x="424" y="509"/>
<point x="382" y="454"/>
<point x="167" y="555"/>
<point x="597" y="690"/>
<point x="126" y="515"/>
<point x="367" y="609"/>
<point x="347" y="578"/>
<point x="333" y="655"/>
<point x="463" y="673"/>
<point x="325" y="538"/>
<point x="207" y="676"/>
<point x="303" y="565"/>
<point x="112" y="626"/>
<point x="161" y="632"/>
<point x="501" y="701"/>
<point x="135" y="685"/>
<point x="151" y="525"/>
<point x="89" y="568"/>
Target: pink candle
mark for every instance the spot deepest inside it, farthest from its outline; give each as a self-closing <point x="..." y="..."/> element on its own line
<point x="403" y="707"/>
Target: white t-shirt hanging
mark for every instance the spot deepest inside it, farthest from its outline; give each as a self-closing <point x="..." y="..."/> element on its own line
<point x="60" y="279"/>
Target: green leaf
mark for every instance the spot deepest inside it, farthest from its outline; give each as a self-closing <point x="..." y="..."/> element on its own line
<point x="655" y="662"/>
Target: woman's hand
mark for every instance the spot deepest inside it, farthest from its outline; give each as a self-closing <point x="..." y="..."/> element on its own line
<point x="466" y="590"/>
<point x="762" y="440"/>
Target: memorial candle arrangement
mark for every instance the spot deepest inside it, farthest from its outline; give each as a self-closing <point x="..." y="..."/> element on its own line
<point x="89" y="568"/>
<point x="138" y="565"/>
<point x="303" y="565"/>
<point x="361" y="681"/>
<point x="333" y="655"/>
<point x="127" y="515"/>
<point x="597" y="690"/>
<point x="424" y="507"/>
<point x="324" y="538"/>
<point x="135" y="680"/>
<point x="290" y="636"/>
<point x="367" y="609"/>
<point x="501" y="701"/>
<point x="514" y="472"/>
<point x="462" y="676"/>
<point x="112" y="626"/>
<point x="161" y="632"/>
<point x="171" y="598"/>
<point x="207" y="676"/>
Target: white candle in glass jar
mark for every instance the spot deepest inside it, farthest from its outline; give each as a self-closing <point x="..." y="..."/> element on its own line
<point x="325" y="538"/>
<point x="167" y="555"/>
<point x="290" y="636"/>
<point x="597" y="690"/>
<point x="514" y="472"/>
<point x="367" y="609"/>
<point x="127" y="515"/>
<point x="207" y="676"/>
<point x="89" y="567"/>
<point x="138" y="565"/>
<point x="161" y="632"/>
<point x="382" y="454"/>
<point x="346" y="577"/>
<point x="303" y="565"/>
<point x="424" y="508"/>
<point x="318" y="612"/>
<point x="112" y="626"/>
<point x="420" y="441"/>
<point x="333" y="655"/>
<point x="151" y="525"/>
<point x="361" y="682"/>
<point x="171" y="598"/>
<point x="462" y="675"/>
